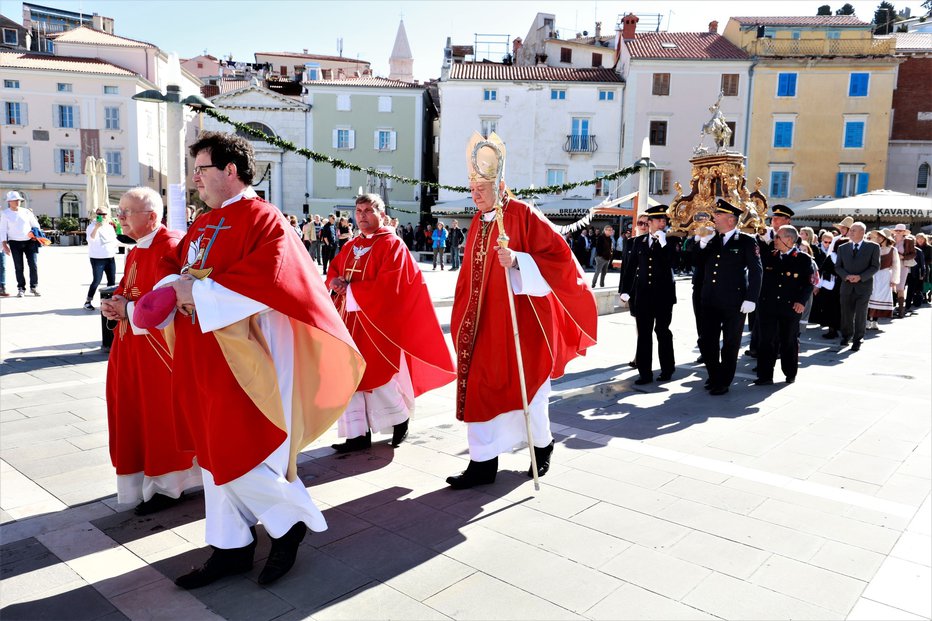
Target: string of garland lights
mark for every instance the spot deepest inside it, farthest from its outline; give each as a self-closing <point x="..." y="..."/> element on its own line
<point x="279" y="142"/>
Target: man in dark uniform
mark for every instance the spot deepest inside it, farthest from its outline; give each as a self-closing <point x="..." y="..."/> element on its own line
<point x="648" y="285"/>
<point x="785" y="290"/>
<point x="627" y="243"/>
<point x="781" y="215"/>
<point x="730" y="287"/>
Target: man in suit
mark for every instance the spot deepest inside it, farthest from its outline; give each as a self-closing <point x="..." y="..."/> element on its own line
<point x="648" y="284"/>
<point x="627" y="243"/>
<point x="731" y="282"/>
<point x="785" y="290"/>
<point x="856" y="264"/>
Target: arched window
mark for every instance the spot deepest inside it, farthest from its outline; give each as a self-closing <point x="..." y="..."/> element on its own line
<point x="262" y="127"/>
<point x="922" y="179"/>
<point x="70" y="205"/>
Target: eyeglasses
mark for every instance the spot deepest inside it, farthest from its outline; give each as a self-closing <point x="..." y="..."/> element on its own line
<point x="642" y="223"/>
<point x="122" y="213"/>
<point x="199" y="169"/>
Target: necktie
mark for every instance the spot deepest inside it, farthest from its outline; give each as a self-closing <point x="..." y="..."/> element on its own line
<point x="854" y="251"/>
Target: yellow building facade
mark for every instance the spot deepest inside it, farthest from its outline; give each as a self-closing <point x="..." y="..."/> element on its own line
<point x="821" y="95"/>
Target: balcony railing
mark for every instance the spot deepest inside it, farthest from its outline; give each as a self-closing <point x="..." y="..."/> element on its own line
<point x="580" y="143"/>
<point x="822" y="47"/>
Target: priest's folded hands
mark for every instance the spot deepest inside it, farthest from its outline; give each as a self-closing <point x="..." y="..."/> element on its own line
<point x="184" y="296"/>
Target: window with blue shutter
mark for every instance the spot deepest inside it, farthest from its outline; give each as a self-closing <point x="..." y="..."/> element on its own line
<point x="783" y="134"/>
<point x="786" y="85"/>
<point x="779" y="184"/>
<point x="857" y="84"/>
<point x="862" y="182"/>
<point x="839" y="185"/>
<point x="854" y="134"/>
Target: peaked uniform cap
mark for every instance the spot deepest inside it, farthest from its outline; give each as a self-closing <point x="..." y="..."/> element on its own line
<point x="782" y="210"/>
<point x="723" y="206"/>
<point x="657" y="211"/>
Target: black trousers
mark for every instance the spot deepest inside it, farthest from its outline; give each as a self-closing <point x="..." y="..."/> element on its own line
<point x="654" y="319"/>
<point x="697" y="312"/>
<point x="718" y="323"/>
<point x="326" y="255"/>
<point x="854" y="299"/>
<point x="99" y="267"/>
<point x="30" y="250"/>
<point x="779" y="337"/>
<point x="754" y="345"/>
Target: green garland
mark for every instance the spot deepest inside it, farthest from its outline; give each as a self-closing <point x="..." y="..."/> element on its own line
<point x="338" y="163"/>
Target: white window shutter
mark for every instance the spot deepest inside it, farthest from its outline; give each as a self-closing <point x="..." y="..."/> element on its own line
<point x="56" y="156"/>
<point x="392" y="140"/>
<point x="77" y="116"/>
<point x="56" y="117"/>
<point x="78" y="163"/>
<point x="352" y="139"/>
<point x="7" y="163"/>
<point x="27" y="163"/>
<point x="375" y="139"/>
<point x="336" y="138"/>
<point x="3" y="113"/>
<point x="24" y="113"/>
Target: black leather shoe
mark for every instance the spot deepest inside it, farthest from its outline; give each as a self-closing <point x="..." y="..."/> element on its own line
<point x="718" y="390"/>
<point x="158" y="502"/>
<point x="791" y="379"/>
<point x="754" y="370"/>
<point x="751" y="353"/>
<point x="359" y="443"/>
<point x="844" y="343"/>
<point x="856" y="346"/>
<point x="831" y="334"/>
<point x="283" y="554"/>
<point x="542" y="455"/>
<point x="399" y="433"/>
<point x="643" y="380"/>
<point x="476" y="473"/>
<point x="221" y="563"/>
<point x="707" y="385"/>
<point x="633" y="364"/>
<point x="700" y="360"/>
<point x="665" y="377"/>
<point x="762" y="382"/>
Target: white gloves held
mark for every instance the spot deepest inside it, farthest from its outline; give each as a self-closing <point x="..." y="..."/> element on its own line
<point x="704" y="239"/>
<point x="625" y="297"/>
<point x="748" y="307"/>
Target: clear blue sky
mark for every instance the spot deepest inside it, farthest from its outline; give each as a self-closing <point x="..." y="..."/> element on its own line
<point x="242" y="27"/>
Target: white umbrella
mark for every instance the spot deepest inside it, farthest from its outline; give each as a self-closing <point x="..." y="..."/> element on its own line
<point x="103" y="192"/>
<point x="879" y="204"/>
<point x="93" y="190"/>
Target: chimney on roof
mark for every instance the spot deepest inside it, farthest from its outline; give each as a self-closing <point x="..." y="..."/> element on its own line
<point x="515" y="46"/>
<point x="713" y="27"/>
<point x="629" y="25"/>
<point x="598" y="29"/>
<point x="305" y="50"/>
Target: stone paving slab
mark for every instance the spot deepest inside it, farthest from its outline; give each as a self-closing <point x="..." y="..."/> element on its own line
<point x="662" y="502"/>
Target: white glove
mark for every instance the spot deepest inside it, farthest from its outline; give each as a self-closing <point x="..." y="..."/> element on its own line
<point x="661" y="237"/>
<point x="748" y="307"/>
<point x="768" y="236"/>
<point x="625" y="297"/>
<point x="704" y="239"/>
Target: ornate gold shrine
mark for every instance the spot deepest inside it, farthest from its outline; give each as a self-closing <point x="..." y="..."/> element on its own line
<point x="714" y="176"/>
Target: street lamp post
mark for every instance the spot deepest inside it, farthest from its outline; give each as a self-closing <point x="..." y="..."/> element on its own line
<point x="177" y="200"/>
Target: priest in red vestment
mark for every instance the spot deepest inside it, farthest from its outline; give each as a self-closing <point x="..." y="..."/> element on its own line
<point x="150" y="467"/>
<point x="262" y="364"/>
<point x="556" y="315"/>
<point x="381" y="295"/>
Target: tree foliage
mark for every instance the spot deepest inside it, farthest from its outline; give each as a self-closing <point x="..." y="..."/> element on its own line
<point x="847" y="9"/>
<point x="827" y="10"/>
<point x="884" y="18"/>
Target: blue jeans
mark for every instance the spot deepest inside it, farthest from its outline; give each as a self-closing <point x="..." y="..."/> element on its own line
<point x="455" y="256"/>
<point x="99" y="267"/>
<point x="29" y="249"/>
<point x="3" y="270"/>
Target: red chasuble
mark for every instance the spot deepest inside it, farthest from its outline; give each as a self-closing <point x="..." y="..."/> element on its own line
<point x="139" y="416"/>
<point x="553" y="329"/>
<point x="396" y="316"/>
<point x="227" y="404"/>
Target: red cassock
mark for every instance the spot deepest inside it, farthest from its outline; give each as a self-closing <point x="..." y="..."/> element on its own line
<point x="139" y="404"/>
<point x="553" y="329"/>
<point x="248" y="248"/>
<point x="396" y="314"/>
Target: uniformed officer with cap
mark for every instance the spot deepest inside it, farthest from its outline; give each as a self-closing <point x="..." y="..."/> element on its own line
<point x="731" y="283"/>
<point x="785" y="289"/>
<point x="647" y="284"/>
<point x="781" y="215"/>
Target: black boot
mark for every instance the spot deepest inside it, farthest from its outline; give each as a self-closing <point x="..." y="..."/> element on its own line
<point x="359" y="443"/>
<point x="476" y="473"/>
<point x="221" y="563"/>
<point x="283" y="554"/>
<point x="158" y="502"/>
<point x="543" y="460"/>
<point x="399" y="433"/>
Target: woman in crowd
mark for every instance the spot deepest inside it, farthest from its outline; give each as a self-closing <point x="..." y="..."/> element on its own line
<point x="885" y="280"/>
<point x="826" y="305"/>
<point x="101" y="247"/>
<point x="345" y="232"/>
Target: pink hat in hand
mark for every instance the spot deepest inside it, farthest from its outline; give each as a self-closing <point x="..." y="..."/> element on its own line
<point x="152" y="309"/>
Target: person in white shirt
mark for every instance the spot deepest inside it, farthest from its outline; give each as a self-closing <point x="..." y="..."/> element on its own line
<point x="16" y="224"/>
<point x="102" y="248"/>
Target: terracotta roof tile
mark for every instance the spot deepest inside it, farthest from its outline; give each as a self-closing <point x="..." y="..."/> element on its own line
<point x="802" y="20"/>
<point x="371" y="82"/>
<point x="540" y="73"/>
<point x="684" y="46"/>
<point x="912" y="41"/>
<point x="83" y="34"/>
<point x="15" y="60"/>
<point x="314" y="57"/>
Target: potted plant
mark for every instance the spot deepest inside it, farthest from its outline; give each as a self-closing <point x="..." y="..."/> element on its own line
<point x="68" y="227"/>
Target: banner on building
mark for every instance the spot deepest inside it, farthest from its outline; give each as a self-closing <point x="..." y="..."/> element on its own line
<point x="90" y="145"/>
